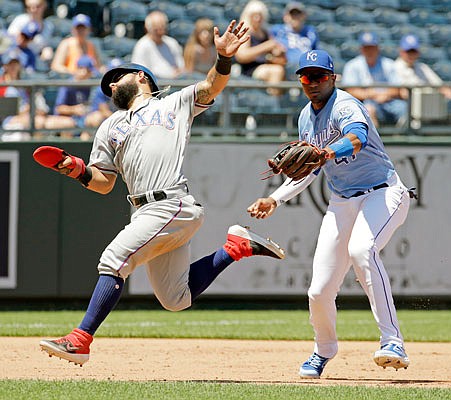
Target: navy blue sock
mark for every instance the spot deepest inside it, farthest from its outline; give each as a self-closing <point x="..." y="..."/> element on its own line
<point x="104" y="298"/>
<point x="204" y="271"/>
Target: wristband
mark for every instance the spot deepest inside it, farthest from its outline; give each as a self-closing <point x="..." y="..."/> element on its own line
<point x="86" y="177"/>
<point x="342" y="147"/>
<point x="223" y="64"/>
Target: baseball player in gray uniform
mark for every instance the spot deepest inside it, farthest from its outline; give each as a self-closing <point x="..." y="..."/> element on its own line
<point x="145" y="142"/>
<point x="368" y="203"/>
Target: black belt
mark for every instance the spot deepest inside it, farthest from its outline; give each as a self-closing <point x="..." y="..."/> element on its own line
<point x="360" y="193"/>
<point x="158" y="195"/>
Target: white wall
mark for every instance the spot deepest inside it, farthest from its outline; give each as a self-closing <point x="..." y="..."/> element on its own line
<point x="225" y="179"/>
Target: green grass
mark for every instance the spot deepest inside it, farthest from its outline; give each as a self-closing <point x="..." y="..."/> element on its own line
<point x="421" y="326"/>
<point x="67" y="390"/>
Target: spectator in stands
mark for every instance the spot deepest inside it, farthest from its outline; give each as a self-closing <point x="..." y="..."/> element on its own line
<point x="295" y="36"/>
<point x="12" y="69"/>
<point x="101" y="106"/>
<point x="74" y="47"/>
<point x="369" y="68"/>
<point x="262" y="57"/>
<point x="162" y="54"/>
<point x="35" y="12"/>
<point x="22" y="44"/>
<point x="73" y="101"/>
<point x="200" y="51"/>
<point x="413" y="72"/>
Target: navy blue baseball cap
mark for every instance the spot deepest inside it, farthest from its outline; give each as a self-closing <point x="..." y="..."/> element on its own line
<point x="129" y="67"/>
<point x="315" y="59"/>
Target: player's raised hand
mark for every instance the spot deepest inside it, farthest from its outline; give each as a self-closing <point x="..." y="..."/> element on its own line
<point x="228" y="44"/>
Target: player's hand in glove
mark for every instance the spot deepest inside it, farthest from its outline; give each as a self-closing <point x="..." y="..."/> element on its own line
<point x="297" y="160"/>
<point x="64" y="163"/>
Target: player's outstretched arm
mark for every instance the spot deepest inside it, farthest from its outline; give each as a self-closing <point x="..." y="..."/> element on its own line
<point x="59" y="160"/>
<point x="226" y="45"/>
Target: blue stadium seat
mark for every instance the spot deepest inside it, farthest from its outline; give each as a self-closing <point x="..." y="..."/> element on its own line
<point x="276" y="12"/>
<point x="350" y="49"/>
<point x="180" y="30"/>
<point x="390" y="17"/>
<point x="443" y="69"/>
<point x="432" y="55"/>
<point x="130" y="13"/>
<point x="333" y="33"/>
<point x="233" y="10"/>
<point x="333" y="50"/>
<point x="373" y="4"/>
<point x="440" y="35"/>
<point x="407" y="5"/>
<point x="317" y="15"/>
<point x="350" y="14"/>
<point x="390" y="50"/>
<point x="197" y="10"/>
<point x="424" y="17"/>
<point x="10" y="8"/>
<point x="357" y="3"/>
<point x="398" y="31"/>
<point x="121" y="47"/>
<point x="172" y="10"/>
<point x="62" y="26"/>
<point x="380" y="30"/>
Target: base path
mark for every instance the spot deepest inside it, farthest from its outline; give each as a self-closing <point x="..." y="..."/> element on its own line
<point x="211" y="360"/>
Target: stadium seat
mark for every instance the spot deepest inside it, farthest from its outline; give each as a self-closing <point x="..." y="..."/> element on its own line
<point x="424" y="17"/>
<point x="443" y="69"/>
<point x="351" y="14"/>
<point x="61" y="26"/>
<point x="317" y="15"/>
<point x="350" y="49"/>
<point x="407" y="5"/>
<point x="180" y="30"/>
<point x="390" y="17"/>
<point x="172" y="10"/>
<point x="10" y="8"/>
<point x="276" y="12"/>
<point x="334" y="51"/>
<point x="121" y="47"/>
<point x="381" y="31"/>
<point x="373" y="4"/>
<point x="129" y="13"/>
<point x="390" y="50"/>
<point x="233" y="10"/>
<point x="333" y="33"/>
<point x="432" y="55"/>
<point x="197" y="10"/>
<point x="440" y="35"/>
<point x="357" y="3"/>
<point x="398" y="31"/>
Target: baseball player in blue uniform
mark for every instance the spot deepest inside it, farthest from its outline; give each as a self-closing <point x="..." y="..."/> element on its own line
<point x="368" y="203"/>
<point x="145" y="142"/>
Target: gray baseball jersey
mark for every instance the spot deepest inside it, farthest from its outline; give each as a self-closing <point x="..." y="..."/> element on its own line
<point x="147" y="148"/>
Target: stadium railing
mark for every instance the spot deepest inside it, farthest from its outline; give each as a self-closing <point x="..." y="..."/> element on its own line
<point x="228" y="118"/>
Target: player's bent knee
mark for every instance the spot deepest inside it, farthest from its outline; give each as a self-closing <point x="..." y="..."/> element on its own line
<point x="175" y="303"/>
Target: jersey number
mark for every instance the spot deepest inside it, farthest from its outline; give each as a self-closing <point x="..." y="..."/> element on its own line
<point x="345" y="159"/>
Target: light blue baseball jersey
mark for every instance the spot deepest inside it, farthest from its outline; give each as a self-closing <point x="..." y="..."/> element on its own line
<point x="369" y="167"/>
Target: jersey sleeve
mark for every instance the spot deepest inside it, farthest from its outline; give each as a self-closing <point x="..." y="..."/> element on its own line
<point x="103" y="152"/>
<point x="347" y="112"/>
<point x="189" y="95"/>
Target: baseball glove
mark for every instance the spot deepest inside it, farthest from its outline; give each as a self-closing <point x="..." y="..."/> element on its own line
<point x="297" y="160"/>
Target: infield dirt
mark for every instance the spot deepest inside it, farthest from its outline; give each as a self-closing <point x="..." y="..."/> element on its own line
<point x="211" y="360"/>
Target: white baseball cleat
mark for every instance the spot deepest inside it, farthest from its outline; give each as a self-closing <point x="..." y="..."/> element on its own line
<point x="242" y="242"/>
<point x="391" y="355"/>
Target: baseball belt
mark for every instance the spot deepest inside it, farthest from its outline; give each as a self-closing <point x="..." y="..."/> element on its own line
<point x="139" y="200"/>
<point x="360" y="193"/>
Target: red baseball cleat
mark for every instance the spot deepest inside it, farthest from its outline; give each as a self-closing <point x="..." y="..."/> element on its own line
<point x="242" y="242"/>
<point x="73" y="347"/>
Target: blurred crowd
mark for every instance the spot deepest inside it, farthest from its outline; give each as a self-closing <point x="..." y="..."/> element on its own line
<point x="271" y="56"/>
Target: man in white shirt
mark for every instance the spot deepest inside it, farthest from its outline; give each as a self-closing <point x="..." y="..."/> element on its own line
<point x="157" y="51"/>
<point x="413" y="72"/>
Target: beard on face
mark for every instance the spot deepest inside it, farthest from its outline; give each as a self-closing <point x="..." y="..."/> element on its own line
<point x="124" y="94"/>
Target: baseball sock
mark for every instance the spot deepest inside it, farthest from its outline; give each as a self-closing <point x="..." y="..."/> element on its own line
<point x="104" y="298"/>
<point x="204" y="271"/>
